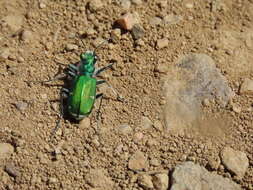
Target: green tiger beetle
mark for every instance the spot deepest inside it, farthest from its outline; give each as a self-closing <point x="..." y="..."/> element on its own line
<point x="81" y="95"/>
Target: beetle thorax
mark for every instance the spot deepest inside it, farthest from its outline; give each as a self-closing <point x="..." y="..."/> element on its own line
<point x="88" y="61"/>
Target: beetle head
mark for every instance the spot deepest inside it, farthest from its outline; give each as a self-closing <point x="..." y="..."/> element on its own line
<point x="88" y="58"/>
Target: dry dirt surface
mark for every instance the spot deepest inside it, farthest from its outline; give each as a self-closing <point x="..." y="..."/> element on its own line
<point x="39" y="38"/>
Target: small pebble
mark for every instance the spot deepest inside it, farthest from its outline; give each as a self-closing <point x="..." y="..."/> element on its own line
<point x="127" y="21"/>
<point x="21" y="106"/>
<point x="42" y="158"/>
<point x="95" y="5"/>
<point x="145" y="181"/>
<point x="49" y="45"/>
<point x="12" y="57"/>
<point x="163" y="4"/>
<point x="151" y="142"/>
<point x="42" y="5"/>
<point x="213" y="164"/>
<point x="125" y="129"/>
<point x="140" y="43"/>
<point x="71" y="47"/>
<point x="12" y="170"/>
<point x="6" y="150"/>
<point x="158" y="125"/>
<point x="138" y="161"/>
<point x="161" y="181"/>
<point x="161" y="68"/>
<point x="35" y="179"/>
<point x="97" y="41"/>
<point x="85" y="123"/>
<point x="138" y="137"/>
<point x="137" y="32"/>
<point x="4" y="53"/>
<point x="125" y="4"/>
<point x="146" y="123"/>
<point x="52" y="180"/>
<point x="44" y="96"/>
<point x="26" y="35"/>
<point x="162" y="43"/>
<point x="55" y="106"/>
<point x="155" y="162"/>
<point x="206" y="102"/>
<point x="137" y="2"/>
<point x="119" y="149"/>
<point x="172" y="19"/>
<point x="116" y="34"/>
<point x="90" y="32"/>
<point x="189" y="5"/>
<point x="236" y="162"/>
<point x="247" y="87"/>
<point x="236" y="108"/>
<point x="20" y="59"/>
<point x="95" y="141"/>
<point x="155" y="21"/>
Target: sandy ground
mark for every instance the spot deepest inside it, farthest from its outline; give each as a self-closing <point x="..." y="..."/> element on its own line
<point x="35" y="41"/>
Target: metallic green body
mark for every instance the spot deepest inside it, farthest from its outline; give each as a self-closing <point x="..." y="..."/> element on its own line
<point x="82" y="94"/>
<point x="82" y="97"/>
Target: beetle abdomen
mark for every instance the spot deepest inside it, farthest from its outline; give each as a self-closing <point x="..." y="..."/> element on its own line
<point x="82" y="97"/>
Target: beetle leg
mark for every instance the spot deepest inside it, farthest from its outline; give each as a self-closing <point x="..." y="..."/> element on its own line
<point x="100" y="82"/>
<point x="57" y="77"/>
<point x="119" y="97"/>
<point x="73" y="68"/>
<point x="64" y="94"/>
<point x="98" y="116"/>
<point x="103" y="69"/>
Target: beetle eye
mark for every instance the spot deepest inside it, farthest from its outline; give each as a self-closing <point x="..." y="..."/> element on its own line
<point x="82" y="56"/>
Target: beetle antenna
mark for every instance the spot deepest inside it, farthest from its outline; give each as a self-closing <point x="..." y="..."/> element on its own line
<point x="102" y="43"/>
<point x="83" y="43"/>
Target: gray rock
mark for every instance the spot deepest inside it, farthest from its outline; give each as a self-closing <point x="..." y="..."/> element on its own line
<point x="138" y="161"/>
<point x="235" y="161"/>
<point x="12" y="170"/>
<point x="21" y="106"/>
<point x="193" y="80"/>
<point x="6" y="150"/>
<point x="137" y="32"/>
<point x="191" y="176"/>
